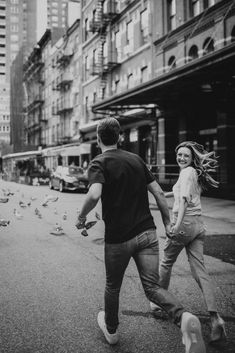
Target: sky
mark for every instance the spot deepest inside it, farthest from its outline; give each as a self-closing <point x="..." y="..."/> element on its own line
<point x="42" y="23"/>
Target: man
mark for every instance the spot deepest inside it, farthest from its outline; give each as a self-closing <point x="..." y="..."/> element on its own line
<point x="122" y="181"/>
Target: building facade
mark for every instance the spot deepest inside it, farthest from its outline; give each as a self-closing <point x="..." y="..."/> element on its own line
<point x="164" y="69"/>
<point x="27" y="22"/>
<point x="192" y="80"/>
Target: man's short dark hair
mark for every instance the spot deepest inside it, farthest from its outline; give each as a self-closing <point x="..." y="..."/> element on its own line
<point x="108" y="131"/>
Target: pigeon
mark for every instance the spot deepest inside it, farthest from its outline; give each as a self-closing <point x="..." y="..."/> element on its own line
<point x="22" y="204"/>
<point x="49" y="198"/>
<point x="4" y="223"/>
<point x="33" y="198"/>
<point x="3" y="199"/>
<point x="55" y="211"/>
<point x="36" y="211"/>
<point x="57" y="230"/>
<point x="65" y="216"/>
<point x="17" y="214"/>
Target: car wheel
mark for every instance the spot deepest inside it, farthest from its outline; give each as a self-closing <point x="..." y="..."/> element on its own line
<point x="50" y="185"/>
<point x="61" y="187"/>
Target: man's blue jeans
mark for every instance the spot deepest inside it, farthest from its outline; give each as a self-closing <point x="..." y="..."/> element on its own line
<point x="144" y="249"/>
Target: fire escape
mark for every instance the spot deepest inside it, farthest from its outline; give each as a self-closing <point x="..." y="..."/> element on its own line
<point x="33" y="82"/>
<point x="102" y="19"/>
<point x="63" y="84"/>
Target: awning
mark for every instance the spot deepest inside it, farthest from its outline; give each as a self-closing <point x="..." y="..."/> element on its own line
<point x="214" y="67"/>
<point x="71" y="150"/>
<point x="84" y="148"/>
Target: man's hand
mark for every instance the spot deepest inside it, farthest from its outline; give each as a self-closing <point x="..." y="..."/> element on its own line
<point x="168" y="230"/>
<point x="81" y="222"/>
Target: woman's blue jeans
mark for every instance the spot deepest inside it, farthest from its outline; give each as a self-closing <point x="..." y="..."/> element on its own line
<point x="191" y="237"/>
<point x="144" y="249"/>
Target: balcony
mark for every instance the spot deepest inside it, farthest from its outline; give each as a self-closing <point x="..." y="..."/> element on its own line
<point x="64" y="107"/>
<point x="66" y="79"/>
<point x="65" y="56"/>
<point x="104" y="16"/>
<point x="104" y="65"/>
<point x="36" y="102"/>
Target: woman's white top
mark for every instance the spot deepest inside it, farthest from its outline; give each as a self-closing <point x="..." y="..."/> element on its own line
<point x="187" y="187"/>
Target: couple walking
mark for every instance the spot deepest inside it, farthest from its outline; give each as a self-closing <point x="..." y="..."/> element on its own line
<point x="122" y="181"/>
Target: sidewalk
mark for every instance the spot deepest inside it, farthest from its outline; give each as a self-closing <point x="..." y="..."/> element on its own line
<point x="218" y="214"/>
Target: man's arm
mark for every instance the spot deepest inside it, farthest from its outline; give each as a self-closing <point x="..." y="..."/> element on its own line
<point x="159" y="196"/>
<point x="169" y="194"/>
<point x="90" y="202"/>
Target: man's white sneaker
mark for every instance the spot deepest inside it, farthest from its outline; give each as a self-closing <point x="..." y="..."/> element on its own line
<point x="111" y="338"/>
<point x="192" y="335"/>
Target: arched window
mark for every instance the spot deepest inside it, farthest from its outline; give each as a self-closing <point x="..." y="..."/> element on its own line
<point x="172" y="62"/>
<point x="233" y="35"/>
<point x="193" y="53"/>
<point x="208" y="46"/>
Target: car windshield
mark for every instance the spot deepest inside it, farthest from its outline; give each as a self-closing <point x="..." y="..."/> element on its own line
<point x="75" y="170"/>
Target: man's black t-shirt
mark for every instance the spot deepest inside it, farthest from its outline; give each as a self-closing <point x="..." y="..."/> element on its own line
<point x="125" y="205"/>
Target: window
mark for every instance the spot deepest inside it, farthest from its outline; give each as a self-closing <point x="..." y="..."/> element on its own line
<point x="95" y="57"/>
<point x="86" y="109"/>
<point x="193" y="53"/>
<point x="144" y="26"/>
<point x="208" y="3"/>
<point x="117" y="84"/>
<point x="118" y="45"/>
<point x="94" y="97"/>
<point x="171" y="4"/>
<point x="129" y="34"/>
<point x="172" y="63"/>
<point x="86" y="64"/>
<point x="233" y="34"/>
<point x="144" y="74"/>
<point x="105" y="53"/>
<point x="194" y="7"/>
<point x="14" y="9"/>
<point x="208" y="46"/>
<point x="94" y="16"/>
<point x="130" y="81"/>
<point x="14" y="28"/>
<point x="86" y="29"/>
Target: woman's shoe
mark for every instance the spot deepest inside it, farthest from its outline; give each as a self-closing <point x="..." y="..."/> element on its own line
<point x="218" y="331"/>
<point x="155" y="307"/>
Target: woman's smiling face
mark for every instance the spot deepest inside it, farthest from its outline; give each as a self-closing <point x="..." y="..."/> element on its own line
<point x="184" y="157"/>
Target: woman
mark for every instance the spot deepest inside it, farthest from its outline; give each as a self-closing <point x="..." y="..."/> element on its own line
<point x="187" y="229"/>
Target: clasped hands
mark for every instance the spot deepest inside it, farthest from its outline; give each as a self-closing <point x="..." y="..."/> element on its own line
<point x="171" y="230"/>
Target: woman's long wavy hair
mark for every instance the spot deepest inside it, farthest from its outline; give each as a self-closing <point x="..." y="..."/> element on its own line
<point x="204" y="162"/>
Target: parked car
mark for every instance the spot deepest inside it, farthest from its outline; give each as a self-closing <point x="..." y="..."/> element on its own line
<point x="69" y="178"/>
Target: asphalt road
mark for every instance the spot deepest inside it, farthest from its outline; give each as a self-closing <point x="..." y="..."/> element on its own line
<point x="52" y="286"/>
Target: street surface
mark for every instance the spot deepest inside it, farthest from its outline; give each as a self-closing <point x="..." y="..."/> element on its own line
<point x="52" y="286"/>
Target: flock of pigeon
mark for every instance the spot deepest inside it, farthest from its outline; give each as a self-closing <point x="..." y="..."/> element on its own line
<point x="23" y="204"/>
